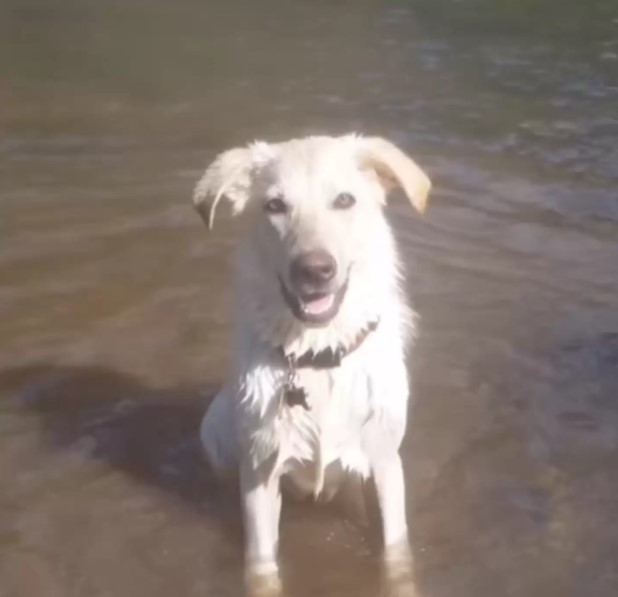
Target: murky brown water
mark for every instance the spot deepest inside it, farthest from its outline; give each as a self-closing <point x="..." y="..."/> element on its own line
<point x="114" y="320"/>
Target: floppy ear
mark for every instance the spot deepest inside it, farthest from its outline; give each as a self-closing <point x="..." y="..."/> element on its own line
<point x="230" y="176"/>
<point x="394" y="168"/>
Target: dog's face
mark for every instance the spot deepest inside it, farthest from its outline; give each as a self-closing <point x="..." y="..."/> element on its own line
<point x="313" y="204"/>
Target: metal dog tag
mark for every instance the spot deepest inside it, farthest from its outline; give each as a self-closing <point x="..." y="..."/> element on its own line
<point x="295" y="396"/>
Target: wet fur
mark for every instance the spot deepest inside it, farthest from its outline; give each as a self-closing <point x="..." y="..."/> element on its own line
<point x="358" y="410"/>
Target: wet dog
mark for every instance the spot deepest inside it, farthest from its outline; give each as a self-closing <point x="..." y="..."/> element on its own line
<point x="318" y="391"/>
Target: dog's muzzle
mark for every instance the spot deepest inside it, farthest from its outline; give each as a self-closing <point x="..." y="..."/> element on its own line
<point x="310" y="295"/>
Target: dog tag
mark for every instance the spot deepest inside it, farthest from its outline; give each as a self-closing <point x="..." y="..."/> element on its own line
<point x="295" y="396"/>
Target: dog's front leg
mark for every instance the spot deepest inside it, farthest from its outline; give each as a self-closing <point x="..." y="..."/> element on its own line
<point x="261" y="503"/>
<point x="389" y="481"/>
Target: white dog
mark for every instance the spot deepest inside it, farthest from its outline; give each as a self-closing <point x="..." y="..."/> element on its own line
<point x="318" y="389"/>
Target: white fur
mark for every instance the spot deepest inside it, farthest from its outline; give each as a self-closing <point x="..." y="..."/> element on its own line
<point x="359" y="409"/>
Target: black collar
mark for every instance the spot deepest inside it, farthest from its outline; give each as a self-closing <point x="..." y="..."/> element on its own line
<point x="327" y="358"/>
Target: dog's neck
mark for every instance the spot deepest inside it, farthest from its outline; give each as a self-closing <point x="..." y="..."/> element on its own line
<point x="327" y="358"/>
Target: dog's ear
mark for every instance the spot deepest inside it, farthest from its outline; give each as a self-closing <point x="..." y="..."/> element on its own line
<point x="230" y="176"/>
<point x="394" y="168"/>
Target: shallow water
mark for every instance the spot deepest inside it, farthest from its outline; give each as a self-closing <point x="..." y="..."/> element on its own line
<point x="114" y="301"/>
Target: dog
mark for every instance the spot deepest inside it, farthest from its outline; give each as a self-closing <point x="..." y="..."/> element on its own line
<point x="318" y="389"/>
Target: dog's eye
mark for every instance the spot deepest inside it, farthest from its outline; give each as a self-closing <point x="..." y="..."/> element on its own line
<point x="344" y="201"/>
<point x="276" y="206"/>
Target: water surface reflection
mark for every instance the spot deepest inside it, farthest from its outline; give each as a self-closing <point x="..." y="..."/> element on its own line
<point x="114" y="324"/>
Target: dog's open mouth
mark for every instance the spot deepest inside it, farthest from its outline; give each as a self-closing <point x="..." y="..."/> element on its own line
<point x="316" y="308"/>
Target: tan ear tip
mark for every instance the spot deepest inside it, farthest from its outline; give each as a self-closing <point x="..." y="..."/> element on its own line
<point x="421" y="205"/>
<point x="422" y="198"/>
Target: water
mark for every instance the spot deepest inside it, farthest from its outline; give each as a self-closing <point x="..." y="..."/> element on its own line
<point x="114" y="300"/>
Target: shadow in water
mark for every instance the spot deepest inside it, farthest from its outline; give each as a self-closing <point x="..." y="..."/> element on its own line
<point x="148" y="433"/>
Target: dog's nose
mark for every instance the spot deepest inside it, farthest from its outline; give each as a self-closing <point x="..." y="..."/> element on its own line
<point x="313" y="268"/>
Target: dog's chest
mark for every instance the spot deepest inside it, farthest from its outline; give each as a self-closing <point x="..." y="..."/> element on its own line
<point x="329" y="423"/>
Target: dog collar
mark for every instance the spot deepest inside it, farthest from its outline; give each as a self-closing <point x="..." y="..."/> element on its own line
<point x="293" y="394"/>
<point x="327" y="358"/>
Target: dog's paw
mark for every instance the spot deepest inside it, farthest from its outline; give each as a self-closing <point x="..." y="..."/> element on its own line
<point x="398" y="576"/>
<point x="264" y="585"/>
<point x="399" y="583"/>
<point x="400" y="589"/>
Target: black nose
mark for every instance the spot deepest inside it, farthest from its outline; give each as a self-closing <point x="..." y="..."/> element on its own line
<point x="312" y="270"/>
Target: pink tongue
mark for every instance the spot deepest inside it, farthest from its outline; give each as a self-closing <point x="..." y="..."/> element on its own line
<point x="319" y="305"/>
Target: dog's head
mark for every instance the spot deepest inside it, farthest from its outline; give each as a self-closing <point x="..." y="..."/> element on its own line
<point x="315" y="211"/>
